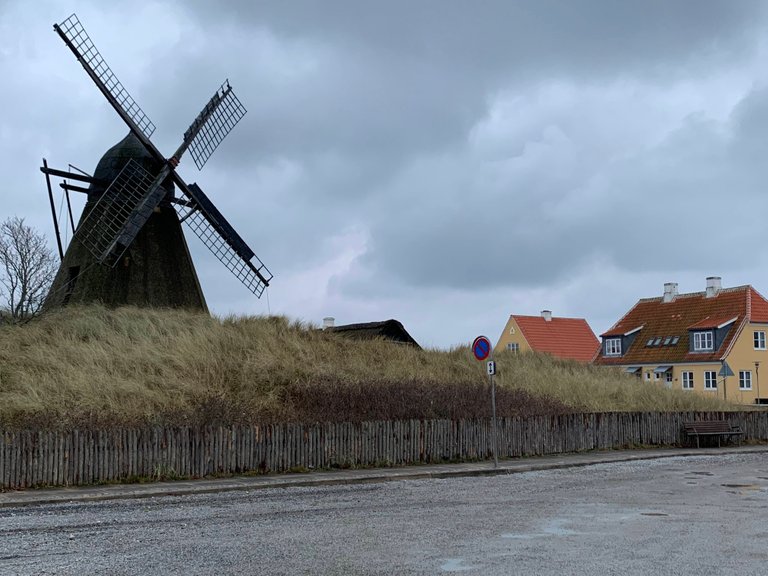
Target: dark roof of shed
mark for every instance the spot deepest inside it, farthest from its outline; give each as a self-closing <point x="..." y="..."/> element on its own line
<point x="388" y="329"/>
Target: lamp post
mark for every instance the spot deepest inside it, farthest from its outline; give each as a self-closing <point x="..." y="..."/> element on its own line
<point x="757" y="381"/>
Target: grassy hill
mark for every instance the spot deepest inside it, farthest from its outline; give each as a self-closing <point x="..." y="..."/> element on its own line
<point x="93" y="366"/>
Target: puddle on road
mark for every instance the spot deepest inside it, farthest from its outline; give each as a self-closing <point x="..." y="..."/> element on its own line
<point x="456" y="565"/>
<point x="555" y="527"/>
<point x="560" y="527"/>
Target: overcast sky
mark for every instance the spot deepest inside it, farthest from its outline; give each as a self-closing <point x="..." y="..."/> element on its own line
<point x="442" y="163"/>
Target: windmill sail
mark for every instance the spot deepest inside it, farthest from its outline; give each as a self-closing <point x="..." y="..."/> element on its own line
<point x="113" y="223"/>
<point x="77" y="39"/>
<point x="212" y="125"/>
<point x="204" y="219"/>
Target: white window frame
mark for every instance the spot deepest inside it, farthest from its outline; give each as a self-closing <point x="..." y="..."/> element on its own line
<point x="759" y="339"/>
<point x="710" y="380"/>
<point x="669" y="376"/>
<point x="613" y="346"/>
<point x="656" y="376"/>
<point x="703" y="341"/>
<point x="648" y="376"/>
<point x="687" y="379"/>
<point x="745" y="380"/>
<point x="513" y="347"/>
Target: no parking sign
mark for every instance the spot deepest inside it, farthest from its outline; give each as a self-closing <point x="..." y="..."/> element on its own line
<point x="481" y="348"/>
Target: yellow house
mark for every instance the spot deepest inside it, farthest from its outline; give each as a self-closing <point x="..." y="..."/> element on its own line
<point x="710" y="342"/>
<point x="569" y="338"/>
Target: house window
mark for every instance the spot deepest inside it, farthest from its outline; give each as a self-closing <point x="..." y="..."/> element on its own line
<point x="702" y="341"/>
<point x="656" y="376"/>
<point x="687" y="380"/>
<point x="513" y="347"/>
<point x="648" y="376"/>
<point x="669" y="376"/>
<point x="613" y="347"/>
<point x="759" y="339"/>
<point x="710" y="380"/>
<point x="745" y="380"/>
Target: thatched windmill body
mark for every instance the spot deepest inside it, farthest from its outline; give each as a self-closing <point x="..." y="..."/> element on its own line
<point x="128" y="246"/>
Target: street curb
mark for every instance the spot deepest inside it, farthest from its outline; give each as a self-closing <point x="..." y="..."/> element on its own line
<point x="244" y="483"/>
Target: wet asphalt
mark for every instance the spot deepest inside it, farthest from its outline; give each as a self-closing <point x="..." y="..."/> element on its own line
<point x="682" y="514"/>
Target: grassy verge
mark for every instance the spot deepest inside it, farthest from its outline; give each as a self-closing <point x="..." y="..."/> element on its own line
<point x="92" y="366"/>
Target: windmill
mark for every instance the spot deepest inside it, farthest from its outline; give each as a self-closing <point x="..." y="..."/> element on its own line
<point x="128" y="247"/>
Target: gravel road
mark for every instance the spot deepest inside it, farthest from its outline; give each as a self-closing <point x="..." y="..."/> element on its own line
<point x="699" y="515"/>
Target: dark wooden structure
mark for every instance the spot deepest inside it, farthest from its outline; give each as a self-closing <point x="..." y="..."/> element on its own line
<point x="128" y="247"/>
<point x="156" y="270"/>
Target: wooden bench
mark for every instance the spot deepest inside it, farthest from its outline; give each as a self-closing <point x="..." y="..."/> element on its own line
<point x="717" y="428"/>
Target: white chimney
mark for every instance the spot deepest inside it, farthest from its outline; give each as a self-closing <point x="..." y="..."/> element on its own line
<point x="328" y="322"/>
<point x="547" y="315"/>
<point x="714" y="284"/>
<point x="670" y="291"/>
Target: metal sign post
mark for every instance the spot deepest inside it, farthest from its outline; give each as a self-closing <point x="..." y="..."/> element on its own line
<point x="481" y="348"/>
<point x="725" y="371"/>
<point x="491" y="367"/>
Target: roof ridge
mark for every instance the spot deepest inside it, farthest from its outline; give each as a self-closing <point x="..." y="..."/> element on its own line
<point x="542" y="318"/>
<point x="701" y="293"/>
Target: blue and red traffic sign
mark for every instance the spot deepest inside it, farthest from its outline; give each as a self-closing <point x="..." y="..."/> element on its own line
<point x="481" y="348"/>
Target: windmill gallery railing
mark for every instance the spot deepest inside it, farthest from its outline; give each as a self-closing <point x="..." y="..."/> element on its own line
<point x="81" y="457"/>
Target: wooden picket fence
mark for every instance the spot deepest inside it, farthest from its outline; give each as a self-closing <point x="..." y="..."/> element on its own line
<point x="69" y="458"/>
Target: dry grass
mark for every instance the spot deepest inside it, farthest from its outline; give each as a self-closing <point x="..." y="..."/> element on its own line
<point x="96" y="366"/>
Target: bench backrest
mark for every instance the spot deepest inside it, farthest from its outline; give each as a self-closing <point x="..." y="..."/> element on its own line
<point x="710" y="426"/>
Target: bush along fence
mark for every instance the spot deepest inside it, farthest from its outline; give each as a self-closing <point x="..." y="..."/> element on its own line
<point x="68" y="458"/>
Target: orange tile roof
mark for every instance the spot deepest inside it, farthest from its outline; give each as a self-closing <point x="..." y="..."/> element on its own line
<point x="568" y="338"/>
<point x="675" y="318"/>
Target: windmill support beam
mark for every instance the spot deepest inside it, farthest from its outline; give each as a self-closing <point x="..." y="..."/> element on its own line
<point x="69" y="209"/>
<point x="70" y="175"/>
<point x="72" y="188"/>
<point x="53" y="212"/>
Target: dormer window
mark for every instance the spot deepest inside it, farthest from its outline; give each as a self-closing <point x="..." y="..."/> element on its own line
<point x="703" y="341"/>
<point x="613" y="346"/>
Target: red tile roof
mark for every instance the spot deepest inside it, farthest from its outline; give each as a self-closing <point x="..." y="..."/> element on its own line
<point x="568" y="338"/>
<point x="713" y="322"/>
<point x="675" y="318"/>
